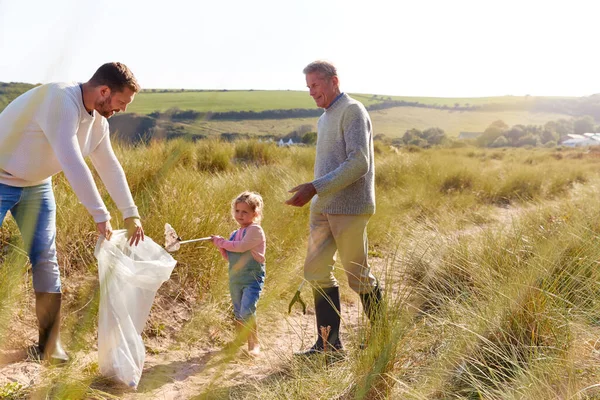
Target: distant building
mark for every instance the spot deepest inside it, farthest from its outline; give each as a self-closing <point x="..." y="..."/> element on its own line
<point x="469" y="135"/>
<point x="289" y="143"/>
<point x="575" y="140"/>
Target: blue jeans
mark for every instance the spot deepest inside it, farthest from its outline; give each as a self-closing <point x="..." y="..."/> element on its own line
<point x="34" y="210"/>
<point x="244" y="297"/>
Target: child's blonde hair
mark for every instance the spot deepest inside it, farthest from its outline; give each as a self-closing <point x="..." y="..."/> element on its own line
<point x="254" y="200"/>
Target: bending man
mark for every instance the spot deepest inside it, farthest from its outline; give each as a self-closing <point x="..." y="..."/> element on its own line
<point x="48" y="129"/>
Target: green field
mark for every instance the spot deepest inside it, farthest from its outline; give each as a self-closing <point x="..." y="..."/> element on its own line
<point x="220" y="101"/>
<point x="393" y="122"/>
<point x="260" y="100"/>
<point x="152" y="100"/>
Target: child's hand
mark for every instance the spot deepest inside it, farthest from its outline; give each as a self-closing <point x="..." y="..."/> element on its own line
<point x="217" y="240"/>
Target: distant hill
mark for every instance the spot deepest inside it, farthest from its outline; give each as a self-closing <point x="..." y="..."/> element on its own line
<point x="152" y="101"/>
<point x="174" y="113"/>
<point x="10" y="91"/>
<point x="149" y="101"/>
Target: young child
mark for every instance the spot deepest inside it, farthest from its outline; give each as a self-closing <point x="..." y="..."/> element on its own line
<point x="245" y="251"/>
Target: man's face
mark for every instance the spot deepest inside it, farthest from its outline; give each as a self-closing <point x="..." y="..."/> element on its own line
<point x="110" y="103"/>
<point x="321" y="89"/>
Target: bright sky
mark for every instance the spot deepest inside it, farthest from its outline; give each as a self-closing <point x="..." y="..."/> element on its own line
<point x="444" y="48"/>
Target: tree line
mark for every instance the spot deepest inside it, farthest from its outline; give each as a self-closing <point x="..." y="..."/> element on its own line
<point x="499" y="134"/>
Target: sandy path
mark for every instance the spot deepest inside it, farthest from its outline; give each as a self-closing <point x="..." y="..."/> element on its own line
<point x="187" y="374"/>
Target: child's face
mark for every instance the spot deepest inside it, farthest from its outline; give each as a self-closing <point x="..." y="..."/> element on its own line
<point x="244" y="215"/>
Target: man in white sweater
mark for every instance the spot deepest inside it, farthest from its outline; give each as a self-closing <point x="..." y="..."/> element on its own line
<point x="343" y="200"/>
<point x="49" y="129"/>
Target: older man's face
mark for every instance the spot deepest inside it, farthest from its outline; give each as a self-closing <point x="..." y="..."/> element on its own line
<point x="321" y="89"/>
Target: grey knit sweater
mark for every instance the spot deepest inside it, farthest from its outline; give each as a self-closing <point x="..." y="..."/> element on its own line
<point x="344" y="167"/>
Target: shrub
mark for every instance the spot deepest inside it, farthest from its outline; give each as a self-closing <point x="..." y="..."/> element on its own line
<point x="213" y="156"/>
<point x="457" y="181"/>
<point x="257" y="152"/>
<point x="379" y="147"/>
<point x="521" y="186"/>
<point x="412" y="149"/>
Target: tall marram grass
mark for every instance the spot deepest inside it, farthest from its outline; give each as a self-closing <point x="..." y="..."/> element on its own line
<point x="507" y="309"/>
<point x="261" y="153"/>
<point x="488" y="260"/>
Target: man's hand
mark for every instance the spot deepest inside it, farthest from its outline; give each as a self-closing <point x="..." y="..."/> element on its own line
<point x="104" y="229"/>
<point x="304" y="193"/>
<point x="135" y="232"/>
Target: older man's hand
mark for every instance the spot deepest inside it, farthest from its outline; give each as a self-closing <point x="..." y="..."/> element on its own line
<point x="303" y="194"/>
<point x="135" y="232"/>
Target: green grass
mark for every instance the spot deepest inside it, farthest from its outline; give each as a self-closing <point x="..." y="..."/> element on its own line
<point x="489" y="259"/>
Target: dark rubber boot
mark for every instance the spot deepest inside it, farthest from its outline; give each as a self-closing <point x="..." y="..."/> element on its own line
<point x="327" y="311"/>
<point x="47" y="309"/>
<point x="372" y="303"/>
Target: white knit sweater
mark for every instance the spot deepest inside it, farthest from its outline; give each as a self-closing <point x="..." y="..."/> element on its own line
<point x="47" y="130"/>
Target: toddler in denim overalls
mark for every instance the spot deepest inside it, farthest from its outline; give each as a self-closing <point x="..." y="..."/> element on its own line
<point x="245" y="251"/>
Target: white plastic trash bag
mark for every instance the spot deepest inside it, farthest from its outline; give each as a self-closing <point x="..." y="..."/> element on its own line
<point x="129" y="278"/>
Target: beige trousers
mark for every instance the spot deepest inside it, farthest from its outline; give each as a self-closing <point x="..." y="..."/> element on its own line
<point x="348" y="235"/>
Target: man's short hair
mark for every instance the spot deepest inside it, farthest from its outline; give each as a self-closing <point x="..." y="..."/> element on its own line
<point x="325" y="68"/>
<point x="116" y="76"/>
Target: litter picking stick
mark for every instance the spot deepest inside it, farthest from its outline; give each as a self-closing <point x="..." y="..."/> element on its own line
<point x="195" y="240"/>
<point x="297" y="298"/>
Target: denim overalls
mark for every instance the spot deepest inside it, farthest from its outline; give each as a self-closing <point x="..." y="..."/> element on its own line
<point x="246" y="281"/>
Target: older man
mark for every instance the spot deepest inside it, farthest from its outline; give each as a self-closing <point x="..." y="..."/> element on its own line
<point x="343" y="200"/>
<point x="49" y="129"/>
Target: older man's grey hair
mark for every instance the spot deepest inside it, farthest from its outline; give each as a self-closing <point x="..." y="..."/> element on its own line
<point x="325" y="68"/>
